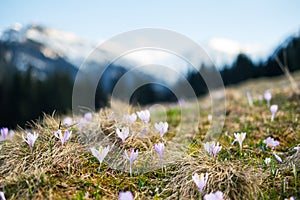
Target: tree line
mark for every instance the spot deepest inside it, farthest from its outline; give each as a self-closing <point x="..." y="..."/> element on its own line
<point x="24" y="97"/>
<point x="243" y="68"/>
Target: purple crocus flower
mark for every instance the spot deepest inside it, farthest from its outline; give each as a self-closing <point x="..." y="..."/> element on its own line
<point x="88" y="116"/>
<point x="268" y="96"/>
<point x="159" y="148"/>
<point x="212" y="148"/>
<point x="126" y="196"/>
<point x="123" y="134"/>
<point x="67" y="121"/>
<point x="271" y="143"/>
<point x="63" y="137"/>
<point x="214" y="196"/>
<point x="131" y="157"/>
<point x="30" y="139"/>
<point x="144" y="115"/>
<point x="4" y="134"/>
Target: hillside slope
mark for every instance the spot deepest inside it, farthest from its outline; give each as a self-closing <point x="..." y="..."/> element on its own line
<point x="69" y="171"/>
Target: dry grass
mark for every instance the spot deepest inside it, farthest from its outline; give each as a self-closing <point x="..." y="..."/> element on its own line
<point x="236" y="180"/>
<point x="53" y="171"/>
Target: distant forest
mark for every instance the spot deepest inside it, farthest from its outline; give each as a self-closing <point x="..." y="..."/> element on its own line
<point x="24" y="97"/>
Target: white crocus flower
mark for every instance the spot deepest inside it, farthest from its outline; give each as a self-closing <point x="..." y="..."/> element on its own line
<point x="123" y="134"/>
<point x="144" y="115"/>
<point x="130" y="118"/>
<point x="100" y="154"/>
<point x="200" y="180"/>
<point x="273" y="109"/>
<point x="161" y="127"/>
<point x="239" y="137"/>
<point x="30" y="139"/>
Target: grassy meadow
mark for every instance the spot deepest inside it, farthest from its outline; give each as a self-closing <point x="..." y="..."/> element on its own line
<point x="70" y="171"/>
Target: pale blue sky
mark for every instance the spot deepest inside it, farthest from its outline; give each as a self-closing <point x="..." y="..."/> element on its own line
<point x="262" y="22"/>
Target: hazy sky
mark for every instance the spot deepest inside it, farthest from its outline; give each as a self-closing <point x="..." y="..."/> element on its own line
<point x="262" y="22"/>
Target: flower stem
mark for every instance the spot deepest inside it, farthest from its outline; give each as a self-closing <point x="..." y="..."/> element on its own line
<point x="130" y="170"/>
<point x="200" y="195"/>
<point x="99" y="168"/>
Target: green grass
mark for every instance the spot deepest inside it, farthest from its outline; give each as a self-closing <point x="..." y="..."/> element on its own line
<point x="71" y="172"/>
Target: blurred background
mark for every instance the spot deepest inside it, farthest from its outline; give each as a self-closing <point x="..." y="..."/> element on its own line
<point x="43" y="44"/>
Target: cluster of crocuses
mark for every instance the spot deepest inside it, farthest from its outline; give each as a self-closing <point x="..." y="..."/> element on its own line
<point x="268" y="97"/>
<point x="201" y="181"/>
<point x="31" y="138"/>
<point x="274" y="107"/>
<point x="6" y="134"/>
<point x="213" y="148"/>
<point x="270" y="143"/>
<point x="123" y="133"/>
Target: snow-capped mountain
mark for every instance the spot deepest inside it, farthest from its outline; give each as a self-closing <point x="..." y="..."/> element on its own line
<point x="224" y="51"/>
<point x="47" y="50"/>
<point x="38" y="46"/>
<point x="55" y="43"/>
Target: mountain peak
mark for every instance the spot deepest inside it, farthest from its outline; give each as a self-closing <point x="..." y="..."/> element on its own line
<point x="66" y="44"/>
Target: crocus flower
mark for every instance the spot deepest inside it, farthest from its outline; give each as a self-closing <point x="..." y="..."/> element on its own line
<point x="2" y="197"/>
<point x="212" y="148"/>
<point x="290" y="198"/>
<point x="271" y="143"/>
<point x="63" y="137"/>
<point x="144" y="115"/>
<point x="5" y="134"/>
<point x="144" y="131"/>
<point x="267" y="161"/>
<point x="100" y="154"/>
<point x="273" y="110"/>
<point x="159" y="148"/>
<point x="209" y="117"/>
<point x="200" y="180"/>
<point x="181" y="102"/>
<point x="67" y="121"/>
<point x="161" y="127"/>
<point x="249" y="97"/>
<point x="130" y="118"/>
<point x="123" y="134"/>
<point x="277" y="157"/>
<point x="239" y="137"/>
<point x="268" y="96"/>
<point x="131" y="157"/>
<point x="214" y="196"/>
<point x="30" y="139"/>
<point x="126" y="196"/>
<point x="88" y="116"/>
